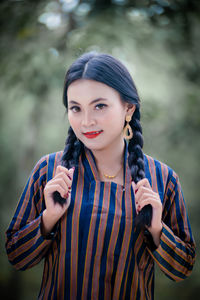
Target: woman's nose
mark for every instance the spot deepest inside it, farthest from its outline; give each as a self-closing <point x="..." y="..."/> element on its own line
<point x="88" y="119"/>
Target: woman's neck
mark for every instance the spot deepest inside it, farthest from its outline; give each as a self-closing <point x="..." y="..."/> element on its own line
<point x="110" y="161"/>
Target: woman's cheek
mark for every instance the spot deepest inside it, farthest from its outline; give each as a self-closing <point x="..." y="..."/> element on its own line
<point x="73" y="122"/>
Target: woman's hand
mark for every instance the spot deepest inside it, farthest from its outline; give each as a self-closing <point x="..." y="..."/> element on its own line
<point x="61" y="183"/>
<point x="144" y="195"/>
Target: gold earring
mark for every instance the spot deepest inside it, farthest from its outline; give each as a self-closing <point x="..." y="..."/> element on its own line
<point x="128" y="132"/>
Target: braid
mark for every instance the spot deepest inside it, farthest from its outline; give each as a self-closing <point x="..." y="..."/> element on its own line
<point x="136" y="164"/>
<point x="106" y="69"/>
<point x="136" y="157"/>
<point x="71" y="153"/>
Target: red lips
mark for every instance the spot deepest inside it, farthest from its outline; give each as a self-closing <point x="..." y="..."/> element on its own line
<point x="92" y="134"/>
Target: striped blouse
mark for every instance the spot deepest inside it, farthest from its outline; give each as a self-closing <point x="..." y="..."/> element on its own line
<point x="96" y="252"/>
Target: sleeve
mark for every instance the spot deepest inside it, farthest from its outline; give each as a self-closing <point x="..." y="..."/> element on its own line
<point x="25" y="244"/>
<point x="176" y="253"/>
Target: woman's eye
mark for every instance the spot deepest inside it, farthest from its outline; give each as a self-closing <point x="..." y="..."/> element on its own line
<point x="100" y="106"/>
<point x="75" y="108"/>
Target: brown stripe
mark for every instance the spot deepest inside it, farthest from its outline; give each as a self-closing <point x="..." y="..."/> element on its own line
<point x="90" y="241"/>
<point x="135" y="281"/>
<point x="49" y="282"/>
<point x="26" y="260"/>
<point x="100" y="240"/>
<point x="92" y="165"/>
<point x="113" y="241"/>
<point x="166" y="270"/>
<point x="165" y="174"/>
<point x="125" y="284"/>
<point x="54" y="279"/>
<point x="61" y="261"/>
<point x="174" y="223"/>
<point x="25" y="246"/>
<point x="149" y="287"/>
<point x="142" y="286"/>
<point x="75" y="235"/>
<point x="153" y="174"/>
<point x="147" y="275"/>
<point x="125" y="243"/>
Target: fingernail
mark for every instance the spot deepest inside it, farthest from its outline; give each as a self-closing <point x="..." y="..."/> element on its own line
<point x="69" y="188"/>
<point x="136" y="191"/>
<point x="66" y="195"/>
<point x="73" y="168"/>
<point x="69" y="177"/>
<point x="136" y="202"/>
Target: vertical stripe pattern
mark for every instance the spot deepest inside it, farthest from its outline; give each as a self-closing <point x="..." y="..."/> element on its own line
<point x="96" y="252"/>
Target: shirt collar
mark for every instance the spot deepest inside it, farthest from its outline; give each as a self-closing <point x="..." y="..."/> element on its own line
<point x="90" y="167"/>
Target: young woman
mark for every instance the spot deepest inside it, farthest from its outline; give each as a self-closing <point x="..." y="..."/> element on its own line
<point x="101" y="212"/>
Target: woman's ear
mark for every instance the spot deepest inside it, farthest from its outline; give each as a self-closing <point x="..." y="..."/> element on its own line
<point x="130" y="108"/>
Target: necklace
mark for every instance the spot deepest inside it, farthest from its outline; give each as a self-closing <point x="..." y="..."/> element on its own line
<point x="111" y="176"/>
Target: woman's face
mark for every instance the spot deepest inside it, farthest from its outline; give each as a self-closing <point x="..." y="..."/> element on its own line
<point x="96" y="113"/>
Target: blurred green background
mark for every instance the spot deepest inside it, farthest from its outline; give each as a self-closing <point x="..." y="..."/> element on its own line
<point x="158" y="40"/>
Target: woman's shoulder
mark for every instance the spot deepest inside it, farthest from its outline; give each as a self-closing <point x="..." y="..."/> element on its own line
<point x="47" y="164"/>
<point x="159" y="169"/>
<point x="51" y="158"/>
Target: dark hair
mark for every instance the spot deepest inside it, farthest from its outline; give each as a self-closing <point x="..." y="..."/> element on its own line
<point x="105" y="68"/>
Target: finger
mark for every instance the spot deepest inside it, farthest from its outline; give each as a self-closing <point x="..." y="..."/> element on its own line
<point x="149" y="195"/>
<point x="141" y="197"/>
<point x="64" y="178"/>
<point x="56" y="187"/>
<point x="140" y="206"/>
<point x="61" y="169"/>
<point x="68" y="201"/>
<point x="143" y="182"/>
<point x="71" y="173"/>
<point x="60" y="180"/>
<point x="133" y="185"/>
<point x="152" y="201"/>
<point x="144" y="190"/>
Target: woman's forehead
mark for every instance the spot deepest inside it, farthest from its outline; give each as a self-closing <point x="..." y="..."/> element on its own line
<point x="90" y="89"/>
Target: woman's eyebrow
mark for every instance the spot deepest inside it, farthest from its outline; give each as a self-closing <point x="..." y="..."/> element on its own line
<point x="92" y="102"/>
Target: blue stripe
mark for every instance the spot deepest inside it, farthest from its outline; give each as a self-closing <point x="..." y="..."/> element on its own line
<point x="19" y="206"/>
<point x="149" y="275"/>
<point x="175" y="256"/>
<point x="98" y="217"/>
<point x="147" y="170"/>
<point x="126" y="269"/>
<point x="118" y="243"/>
<point x="159" y="180"/>
<point x="87" y="168"/>
<point x="37" y="197"/>
<point x="169" y="267"/>
<point x="130" y="275"/>
<point x="28" y="252"/>
<point x="84" y="225"/>
<point x="110" y="220"/>
<point x="51" y="165"/>
<point x="23" y="240"/>
<point x="68" y="246"/>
